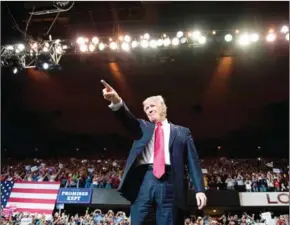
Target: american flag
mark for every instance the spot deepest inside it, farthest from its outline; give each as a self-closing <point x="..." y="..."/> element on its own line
<point x="29" y="196"/>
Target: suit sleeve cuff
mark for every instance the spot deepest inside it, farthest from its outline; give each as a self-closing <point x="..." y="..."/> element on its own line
<point x="117" y="106"/>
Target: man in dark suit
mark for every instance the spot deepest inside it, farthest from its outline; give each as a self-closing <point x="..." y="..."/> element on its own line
<point x="162" y="155"/>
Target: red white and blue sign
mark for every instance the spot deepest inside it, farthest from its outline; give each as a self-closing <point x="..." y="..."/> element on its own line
<point x="74" y="195"/>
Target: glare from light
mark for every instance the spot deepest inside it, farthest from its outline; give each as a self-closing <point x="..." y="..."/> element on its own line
<point x="134" y="44"/>
<point x="57" y="41"/>
<point x="166" y="42"/>
<point x="175" y="41"/>
<point x="46" y="45"/>
<point x="254" y="37"/>
<point x="10" y="47"/>
<point x="113" y="45"/>
<point x="146" y="36"/>
<point x="144" y="44"/>
<point x="213" y="32"/>
<point x="101" y="46"/>
<point x="83" y="48"/>
<point x="179" y="34"/>
<point x="110" y="39"/>
<point x="228" y="37"/>
<point x="121" y="38"/>
<point x="125" y="46"/>
<point x="58" y="50"/>
<point x="271" y="37"/>
<point x="183" y="40"/>
<point x="159" y="42"/>
<point x="81" y="40"/>
<point x="20" y="47"/>
<point x="92" y="47"/>
<point x="45" y="66"/>
<point x="45" y="49"/>
<point x="164" y="35"/>
<point x="202" y="40"/>
<point x="15" y="70"/>
<point x="196" y="35"/>
<point x="127" y="38"/>
<point x="284" y="29"/>
<point x="64" y="47"/>
<point x="237" y="31"/>
<point x="287" y="36"/>
<point x="153" y="44"/>
<point x="271" y="30"/>
<point x="95" y="40"/>
<point x="244" y="39"/>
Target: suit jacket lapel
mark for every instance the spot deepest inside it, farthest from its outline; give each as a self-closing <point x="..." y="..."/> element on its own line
<point x="173" y="132"/>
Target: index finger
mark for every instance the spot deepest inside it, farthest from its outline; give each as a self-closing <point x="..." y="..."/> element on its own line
<point x="106" y="85"/>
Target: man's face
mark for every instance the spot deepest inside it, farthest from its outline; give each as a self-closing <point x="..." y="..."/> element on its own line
<point x="153" y="110"/>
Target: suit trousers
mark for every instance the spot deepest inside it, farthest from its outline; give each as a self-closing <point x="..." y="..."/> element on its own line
<point x="154" y="204"/>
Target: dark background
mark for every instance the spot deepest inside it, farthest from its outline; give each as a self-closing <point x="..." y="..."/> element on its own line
<point x="238" y="102"/>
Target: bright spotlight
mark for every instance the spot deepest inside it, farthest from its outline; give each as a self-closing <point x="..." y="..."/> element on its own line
<point x="14" y="70"/>
<point x="45" y="49"/>
<point x="183" y="40"/>
<point x="159" y="42"/>
<point x="146" y="36"/>
<point x="45" y="66"/>
<point x="95" y="40"/>
<point x="213" y="32"/>
<point x="153" y="44"/>
<point x="92" y="47"/>
<point x="254" y="37"/>
<point x="244" y="39"/>
<point x="121" y="38"/>
<point x="287" y="36"/>
<point x="125" y="46"/>
<point x="83" y="48"/>
<point x="196" y="35"/>
<point x="179" y="34"/>
<point x="175" y="41"/>
<point x="237" y="31"/>
<point x="81" y="40"/>
<point x="228" y="38"/>
<point x="202" y="40"/>
<point x="134" y="44"/>
<point x="113" y="45"/>
<point x="127" y="38"/>
<point x="101" y="46"/>
<point x="271" y="37"/>
<point x="20" y="47"/>
<point x="284" y="29"/>
<point x="144" y="44"/>
<point x="166" y="42"/>
<point x="10" y="47"/>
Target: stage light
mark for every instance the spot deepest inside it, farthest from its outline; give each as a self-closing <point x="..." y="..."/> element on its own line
<point x="244" y="39"/>
<point x="164" y="35"/>
<point x="95" y="40"/>
<point x="134" y="44"/>
<point x="159" y="42"/>
<point x="83" y="48"/>
<point x="144" y="44"/>
<point x="153" y="44"/>
<point x="10" y="47"/>
<point x="271" y="37"/>
<point x="121" y="38"/>
<point x="146" y="36"/>
<point x="125" y="46"/>
<point x="284" y="29"/>
<point x="20" y="47"/>
<point x="196" y="35"/>
<point x="179" y="34"/>
<point x="127" y="38"/>
<point x="101" y="46"/>
<point x="81" y="40"/>
<point x="237" y="31"/>
<point x="14" y="70"/>
<point x="92" y="47"/>
<point x="166" y="42"/>
<point x="175" y="41"/>
<point x="202" y="40"/>
<point x="113" y="45"/>
<point x="254" y="37"/>
<point x="214" y="32"/>
<point x="45" y="66"/>
<point x="287" y="37"/>
<point x="45" y="49"/>
<point x="183" y="40"/>
<point x="64" y="47"/>
<point x="228" y="38"/>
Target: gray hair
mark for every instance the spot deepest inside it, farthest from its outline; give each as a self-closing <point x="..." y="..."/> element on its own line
<point x="160" y="100"/>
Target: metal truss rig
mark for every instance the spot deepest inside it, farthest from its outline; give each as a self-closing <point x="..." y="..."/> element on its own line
<point x="29" y="54"/>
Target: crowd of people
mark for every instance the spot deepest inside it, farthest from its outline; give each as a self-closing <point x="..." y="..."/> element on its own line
<point x="97" y="217"/>
<point x="251" y="175"/>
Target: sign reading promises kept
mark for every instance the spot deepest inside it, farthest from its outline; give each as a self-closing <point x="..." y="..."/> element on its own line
<point x="74" y="195"/>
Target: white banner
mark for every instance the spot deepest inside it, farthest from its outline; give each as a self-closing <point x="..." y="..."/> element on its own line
<point x="264" y="198"/>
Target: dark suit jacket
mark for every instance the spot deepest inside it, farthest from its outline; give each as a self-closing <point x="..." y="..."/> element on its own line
<point x="183" y="158"/>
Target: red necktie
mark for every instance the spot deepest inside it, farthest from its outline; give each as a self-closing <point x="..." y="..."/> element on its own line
<point x="159" y="156"/>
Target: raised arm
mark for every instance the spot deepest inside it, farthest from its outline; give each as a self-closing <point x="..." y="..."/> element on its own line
<point x="122" y="112"/>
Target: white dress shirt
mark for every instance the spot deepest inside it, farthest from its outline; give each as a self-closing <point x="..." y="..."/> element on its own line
<point x="147" y="156"/>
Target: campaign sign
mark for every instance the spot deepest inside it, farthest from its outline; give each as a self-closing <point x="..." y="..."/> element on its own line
<point x="74" y="195"/>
